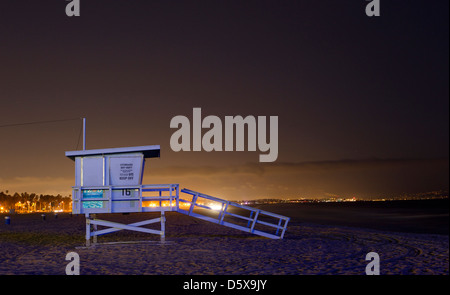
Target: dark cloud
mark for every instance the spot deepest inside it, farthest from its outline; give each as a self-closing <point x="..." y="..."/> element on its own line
<point x="362" y="178"/>
<point x="260" y="169"/>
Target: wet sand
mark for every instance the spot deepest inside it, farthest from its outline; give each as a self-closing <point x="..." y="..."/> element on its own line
<point x="30" y="245"/>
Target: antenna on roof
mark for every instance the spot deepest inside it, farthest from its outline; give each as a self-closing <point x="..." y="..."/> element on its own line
<point x="84" y="134"/>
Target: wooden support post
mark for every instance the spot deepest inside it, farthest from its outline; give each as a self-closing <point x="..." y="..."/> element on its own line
<point x="163" y="227"/>
<point x="279" y="225"/>
<point x="140" y="197"/>
<point x="284" y="228"/>
<point x="160" y="202"/>
<point x="194" y="200"/>
<point x="221" y="212"/>
<point x="170" y="195"/>
<point x="254" y="221"/>
<point x="249" y="222"/>
<point x="88" y="230"/>
<point x="177" y="188"/>
<point x="94" y="228"/>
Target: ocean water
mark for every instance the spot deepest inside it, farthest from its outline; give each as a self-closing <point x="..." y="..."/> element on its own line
<point x="412" y="216"/>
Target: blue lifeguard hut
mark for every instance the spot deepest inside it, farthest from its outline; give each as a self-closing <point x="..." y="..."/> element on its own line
<point x="110" y="181"/>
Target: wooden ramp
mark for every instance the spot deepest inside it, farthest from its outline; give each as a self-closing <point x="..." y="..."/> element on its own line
<point x="231" y="214"/>
<point x="168" y="197"/>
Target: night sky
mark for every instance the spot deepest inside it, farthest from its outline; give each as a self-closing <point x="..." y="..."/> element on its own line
<point x="362" y="102"/>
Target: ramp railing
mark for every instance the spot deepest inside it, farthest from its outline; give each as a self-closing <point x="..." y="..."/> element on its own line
<point x="156" y="197"/>
<point x="125" y="198"/>
<point x="231" y="214"/>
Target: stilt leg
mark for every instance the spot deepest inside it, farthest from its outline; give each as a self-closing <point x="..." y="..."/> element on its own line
<point x="88" y="231"/>
<point x="94" y="227"/>
<point x="163" y="227"/>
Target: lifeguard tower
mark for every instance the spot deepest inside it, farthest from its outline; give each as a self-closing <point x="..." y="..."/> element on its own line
<point x="110" y="181"/>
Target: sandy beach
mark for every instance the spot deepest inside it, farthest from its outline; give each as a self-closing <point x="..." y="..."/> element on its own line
<point x="30" y="245"/>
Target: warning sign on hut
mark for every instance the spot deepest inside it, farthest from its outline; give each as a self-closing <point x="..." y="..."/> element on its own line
<point x="125" y="170"/>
